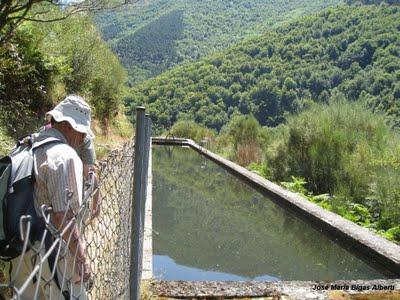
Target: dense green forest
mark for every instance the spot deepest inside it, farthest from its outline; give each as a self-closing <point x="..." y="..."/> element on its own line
<point x="156" y="35"/>
<point x="348" y="50"/>
<point x="43" y="62"/>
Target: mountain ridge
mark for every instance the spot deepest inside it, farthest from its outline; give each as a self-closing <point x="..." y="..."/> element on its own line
<point x="206" y="27"/>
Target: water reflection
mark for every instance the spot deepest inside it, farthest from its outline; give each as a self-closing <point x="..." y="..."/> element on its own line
<point x="212" y="226"/>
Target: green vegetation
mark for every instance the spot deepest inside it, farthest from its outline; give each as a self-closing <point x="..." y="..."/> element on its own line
<point x="191" y="130"/>
<point x="23" y="74"/>
<point x="152" y="49"/>
<point x="43" y="62"/>
<point x="13" y="13"/>
<point x="83" y="63"/>
<point x="340" y="155"/>
<point x="350" y="50"/>
<point x="247" y="136"/>
<point x="151" y="37"/>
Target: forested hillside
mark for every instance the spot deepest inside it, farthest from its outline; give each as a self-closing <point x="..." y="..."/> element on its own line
<point x="352" y="51"/>
<point x="155" y="35"/>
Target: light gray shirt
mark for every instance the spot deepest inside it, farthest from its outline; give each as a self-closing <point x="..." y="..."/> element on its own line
<point x="58" y="173"/>
<point x="86" y="151"/>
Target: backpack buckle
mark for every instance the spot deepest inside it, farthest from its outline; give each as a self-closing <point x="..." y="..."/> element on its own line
<point x="25" y="140"/>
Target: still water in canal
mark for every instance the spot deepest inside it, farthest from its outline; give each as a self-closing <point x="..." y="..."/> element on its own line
<point x="209" y="225"/>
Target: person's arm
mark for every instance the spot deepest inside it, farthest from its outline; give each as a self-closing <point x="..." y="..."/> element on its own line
<point x="65" y="187"/>
<point x="76" y="244"/>
<point x="87" y="154"/>
<point x="88" y="171"/>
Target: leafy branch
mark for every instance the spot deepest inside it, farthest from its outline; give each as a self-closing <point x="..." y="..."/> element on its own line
<point x="13" y="13"/>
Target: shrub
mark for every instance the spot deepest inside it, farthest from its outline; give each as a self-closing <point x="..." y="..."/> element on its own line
<point x="191" y="130"/>
<point x="247" y="138"/>
<point x="345" y="150"/>
<point x="243" y="129"/>
<point x="24" y="80"/>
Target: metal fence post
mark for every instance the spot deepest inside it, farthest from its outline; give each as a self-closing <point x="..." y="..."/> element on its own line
<point x="136" y="229"/>
<point x="145" y="166"/>
<point x="146" y="163"/>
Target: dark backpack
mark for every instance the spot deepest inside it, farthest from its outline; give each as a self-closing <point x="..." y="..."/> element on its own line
<point x="16" y="197"/>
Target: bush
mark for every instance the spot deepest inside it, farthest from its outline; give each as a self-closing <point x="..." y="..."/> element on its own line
<point x="82" y="63"/>
<point x="243" y="129"/>
<point x="332" y="147"/>
<point x="344" y="149"/>
<point x="393" y="234"/>
<point x="247" y="137"/>
<point x="191" y="130"/>
<point x="24" y="79"/>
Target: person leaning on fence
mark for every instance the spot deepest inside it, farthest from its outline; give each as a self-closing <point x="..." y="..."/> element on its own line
<point x="59" y="184"/>
<point x="87" y="154"/>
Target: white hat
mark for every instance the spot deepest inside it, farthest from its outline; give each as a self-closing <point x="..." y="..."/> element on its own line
<point x="75" y="111"/>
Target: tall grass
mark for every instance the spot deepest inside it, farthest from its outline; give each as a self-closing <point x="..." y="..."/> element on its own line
<point x="248" y="153"/>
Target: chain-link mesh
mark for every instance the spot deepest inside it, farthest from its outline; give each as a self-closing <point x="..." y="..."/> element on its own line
<point x="108" y="237"/>
<point x="52" y="264"/>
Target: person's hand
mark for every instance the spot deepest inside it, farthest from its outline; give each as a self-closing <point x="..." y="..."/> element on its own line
<point x="84" y="270"/>
<point x="95" y="209"/>
<point x="96" y="205"/>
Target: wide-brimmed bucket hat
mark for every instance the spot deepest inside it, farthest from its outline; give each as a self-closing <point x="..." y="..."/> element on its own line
<point x="75" y="111"/>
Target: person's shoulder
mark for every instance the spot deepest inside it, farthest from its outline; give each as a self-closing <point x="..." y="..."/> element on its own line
<point x="61" y="147"/>
<point x="61" y="153"/>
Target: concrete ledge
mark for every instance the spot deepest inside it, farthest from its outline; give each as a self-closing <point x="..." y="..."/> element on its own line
<point x="171" y="141"/>
<point x="365" y="242"/>
<point x="295" y="290"/>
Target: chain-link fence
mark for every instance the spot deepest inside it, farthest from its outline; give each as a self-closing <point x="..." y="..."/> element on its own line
<point x="52" y="267"/>
<point x="108" y="236"/>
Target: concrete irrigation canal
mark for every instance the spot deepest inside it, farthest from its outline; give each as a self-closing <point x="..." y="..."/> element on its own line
<point x="219" y="230"/>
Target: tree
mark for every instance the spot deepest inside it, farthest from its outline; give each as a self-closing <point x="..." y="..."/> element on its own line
<point x="14" y="12"/>
<point x="45" y="61"/>
<point x="24" y="78"/>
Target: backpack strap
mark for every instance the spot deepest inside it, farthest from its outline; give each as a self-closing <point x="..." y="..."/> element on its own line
<point x="48" y="140"/>
<point x="36" y="145"/>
